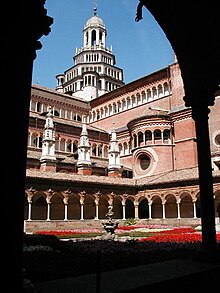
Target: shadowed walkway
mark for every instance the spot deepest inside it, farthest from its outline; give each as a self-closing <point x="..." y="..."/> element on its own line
<point x="179" y="275"/>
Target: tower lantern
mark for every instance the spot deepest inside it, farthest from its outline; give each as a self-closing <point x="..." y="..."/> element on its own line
<point x="94" y="72"/>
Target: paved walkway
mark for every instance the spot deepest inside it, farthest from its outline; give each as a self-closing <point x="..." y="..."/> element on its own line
<point x="171" y="275"/>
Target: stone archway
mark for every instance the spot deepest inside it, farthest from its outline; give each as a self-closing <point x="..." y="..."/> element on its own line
<point x="186" y="206"/>
<point x="129" y="209"/>
<point x="171" y="206"/>
<point x="73" y="207"/>
<point x="39" y="206"/>
<point x="89" y="207"/>
<point x="103" y="206"/>
<point x="156" y="207"/>
<point x="57" y="207"/>
<point x="143" y="209"/>
<point x="117" y="207"/>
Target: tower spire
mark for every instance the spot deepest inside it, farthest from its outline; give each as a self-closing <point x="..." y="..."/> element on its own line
<point x="84" y="162"/>
<point x="48" y="159"/>
<point x="95" y="7"/>
<point x="114" y="166"/>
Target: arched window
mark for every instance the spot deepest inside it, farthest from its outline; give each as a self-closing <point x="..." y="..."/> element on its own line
<point x="94" y="150"/>
<point x="77" y="118"/>
<point x="148" y="135"/>
<point x="135" y="140"/>
<point x="56" y="113"/>
<point x="99" y="84"/>
<point x="87" y="37"/>
<point x="140" y="138"/>
<point x="157" y="134"/>
<point x="93" y="38"/>
<point x="62" y="144"/>
<point x="39" y="107"/>
<point x="68" y="146"/>
<point x="166" y="135"/>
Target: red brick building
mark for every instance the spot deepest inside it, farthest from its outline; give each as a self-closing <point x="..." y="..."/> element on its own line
<point x="95" y="141"/>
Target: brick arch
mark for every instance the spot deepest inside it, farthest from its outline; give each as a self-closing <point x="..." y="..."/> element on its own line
<point x="89" y="207"/>
<point x="39" y="206"/>
<point x="156" y="207"/>
<point x="143" y="207"/>
<point x="171" y="205"/>
<point x="103" y="206"/>
<point x="117" y="207"/>
<point x="57" y="207"/>
<point x="74" y="207"/>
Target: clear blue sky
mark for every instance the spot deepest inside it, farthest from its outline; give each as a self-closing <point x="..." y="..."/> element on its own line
<point x="140" y="48"/>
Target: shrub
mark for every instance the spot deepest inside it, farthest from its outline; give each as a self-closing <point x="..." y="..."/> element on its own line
<point x="129" y="221"/>
<point x="44" y="240"/>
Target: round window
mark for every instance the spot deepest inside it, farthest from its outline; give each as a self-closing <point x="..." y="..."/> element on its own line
<point x="144" y="162"/>
<point x="217" y="139"/>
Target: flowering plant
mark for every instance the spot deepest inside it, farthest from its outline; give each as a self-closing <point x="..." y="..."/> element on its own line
<point x="142" y="233"/>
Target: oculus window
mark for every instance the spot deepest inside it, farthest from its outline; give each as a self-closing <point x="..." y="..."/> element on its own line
<point x="144" y="162"/>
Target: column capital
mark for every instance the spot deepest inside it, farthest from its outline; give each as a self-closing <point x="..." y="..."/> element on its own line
<point x="202" y="98"/>
<point x="200" y="112"/>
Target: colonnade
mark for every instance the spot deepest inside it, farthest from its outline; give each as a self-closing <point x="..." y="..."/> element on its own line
<point x="67" y="205"/>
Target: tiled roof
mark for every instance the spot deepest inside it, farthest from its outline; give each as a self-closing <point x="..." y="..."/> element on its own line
<point x="51" y="91"/>
<point x="68" y="158"/>
<point x="173" y="176"/>
<point x="163" y="178"/>
<point x="68" y="122"/>
<point x="93" y="179"/>
<point x="153" y="112"/>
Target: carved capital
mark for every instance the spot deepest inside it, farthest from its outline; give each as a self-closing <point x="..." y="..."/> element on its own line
<point x="49" y="194"/>
<point x="66" y="195"/>
<point x="30" y="193"/>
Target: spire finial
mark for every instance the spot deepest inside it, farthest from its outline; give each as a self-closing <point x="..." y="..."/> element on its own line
<point x="95" y="7"/>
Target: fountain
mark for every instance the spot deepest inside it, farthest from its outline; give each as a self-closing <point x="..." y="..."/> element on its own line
<point x="110" y="225"/>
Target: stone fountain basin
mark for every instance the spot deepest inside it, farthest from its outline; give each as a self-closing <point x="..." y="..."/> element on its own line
<point x="110" y="227"/>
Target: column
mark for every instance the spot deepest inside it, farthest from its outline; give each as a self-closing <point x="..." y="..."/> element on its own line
<point x="97" y="198"/>
<point x="178" y="209"/>
<point x="81" y="211"/>
<point x="18" y="55"/>
<point x="194" y="210"/>
<point x="29" y="210"/>
<point x="136" y="215"/>
<point x="163" y="210"/>
<point x="123" y="211"/>
<point x="162" y="137"/>
<point x="150" y="210"/>
<point x="200" y="116"/>
<point x="48" y="211"/>
<point x="96" y="211"/>
<point x="30" y="192"/>
<point x="65" y="211"/>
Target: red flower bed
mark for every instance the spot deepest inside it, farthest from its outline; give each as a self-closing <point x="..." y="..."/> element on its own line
<point x="133" y="227"/>
<point x="176" y="234"/>
<point x="178" y="237"/>
<point x="179" y="230"/>
<point x="129" y="228"/>
<point x="68" y="232"/>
